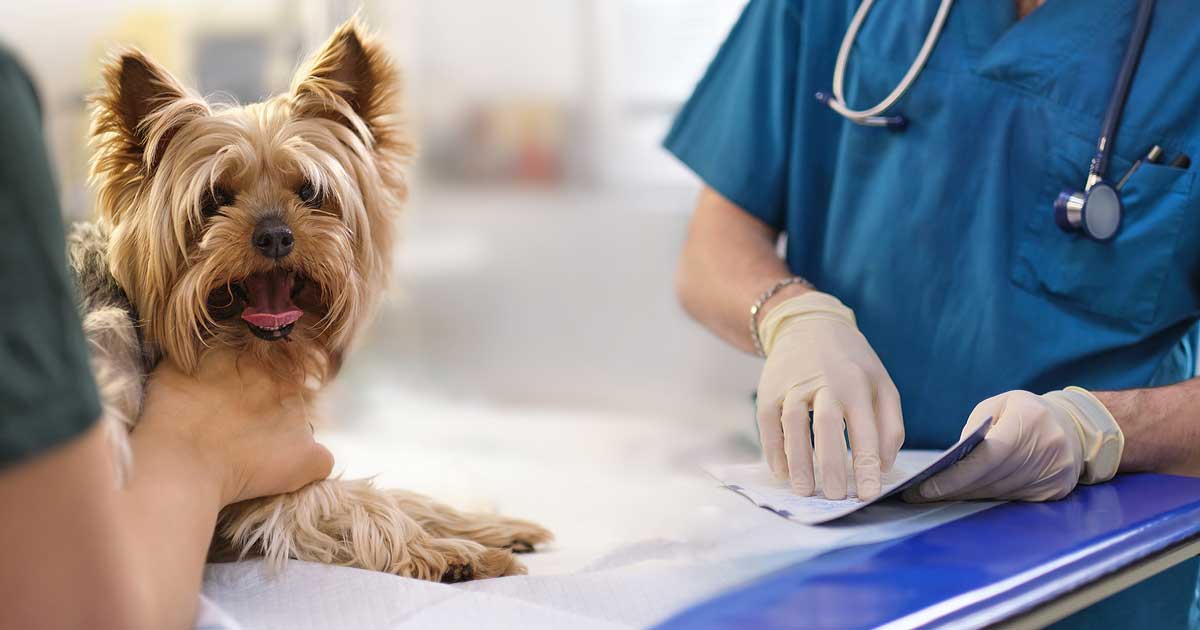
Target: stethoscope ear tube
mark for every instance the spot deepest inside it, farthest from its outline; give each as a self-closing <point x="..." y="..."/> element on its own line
<point x="895" y="122"/>
<point x="873" y="116"/>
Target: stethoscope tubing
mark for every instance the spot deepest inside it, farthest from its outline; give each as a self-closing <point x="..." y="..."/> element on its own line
<point x="872" y="115"/>
<point x="1074" y="210"/>
<point x="1120" y="93"/>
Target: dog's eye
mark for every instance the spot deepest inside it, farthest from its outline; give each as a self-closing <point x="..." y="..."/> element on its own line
<point x="310" y="195"/>
<point x="214" y="200"/>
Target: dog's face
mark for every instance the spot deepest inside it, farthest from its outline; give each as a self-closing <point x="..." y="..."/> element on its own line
<point x="267" y="227"/>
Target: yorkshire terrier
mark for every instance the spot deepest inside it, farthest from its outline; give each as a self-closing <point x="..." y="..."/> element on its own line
<point x="268" y="230"/>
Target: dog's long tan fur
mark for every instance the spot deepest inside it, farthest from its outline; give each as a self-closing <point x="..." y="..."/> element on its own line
<point x="157" y="273"/>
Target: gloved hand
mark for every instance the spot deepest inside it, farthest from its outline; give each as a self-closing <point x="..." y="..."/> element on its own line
<point x="818" y="360"/>
<point x="1038" y="449"/>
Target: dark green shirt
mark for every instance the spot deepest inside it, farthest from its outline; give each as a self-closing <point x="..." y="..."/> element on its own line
<point x="47" y="394"/>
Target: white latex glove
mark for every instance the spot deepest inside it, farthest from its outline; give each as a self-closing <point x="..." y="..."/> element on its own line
<point x="1038" y="449"/>
<point x="818" y="360"/>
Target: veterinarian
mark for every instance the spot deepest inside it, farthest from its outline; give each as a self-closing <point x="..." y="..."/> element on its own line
<point x="952" y="245"/>
<point x="76" y="551"/>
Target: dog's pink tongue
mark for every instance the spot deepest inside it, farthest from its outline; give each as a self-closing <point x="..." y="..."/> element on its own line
<point x="269" y="300"/>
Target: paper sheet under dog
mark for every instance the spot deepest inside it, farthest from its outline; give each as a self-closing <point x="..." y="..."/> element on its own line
<point x="755" y="482"/>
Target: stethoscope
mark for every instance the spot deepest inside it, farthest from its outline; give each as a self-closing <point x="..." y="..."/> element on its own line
<point x="1096" y="210"/>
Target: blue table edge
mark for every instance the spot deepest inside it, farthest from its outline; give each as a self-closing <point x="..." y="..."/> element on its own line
<point x="1096" y="531"/>
<point x="1073" y="571"/>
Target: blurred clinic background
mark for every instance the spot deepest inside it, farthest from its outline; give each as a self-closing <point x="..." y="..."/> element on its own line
<point x="532" y="337"/>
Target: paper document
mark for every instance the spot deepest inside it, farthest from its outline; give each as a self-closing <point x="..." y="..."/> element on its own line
<point x="756" y="483"/>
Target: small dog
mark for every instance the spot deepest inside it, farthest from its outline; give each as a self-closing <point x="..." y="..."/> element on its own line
<point x="266" y="229"/>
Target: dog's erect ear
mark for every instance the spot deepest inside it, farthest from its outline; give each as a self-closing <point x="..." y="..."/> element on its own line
<point x="143" y="105"/>
<point x="350" y="80"/>
<point x="134" y="117"/>
<point x="141" y="87"/>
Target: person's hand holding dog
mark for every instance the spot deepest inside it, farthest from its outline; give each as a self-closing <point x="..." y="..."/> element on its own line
<point x="249" y="436"/>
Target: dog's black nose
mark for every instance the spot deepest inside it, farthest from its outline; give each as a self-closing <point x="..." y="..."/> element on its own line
<point x="273" y="238"/>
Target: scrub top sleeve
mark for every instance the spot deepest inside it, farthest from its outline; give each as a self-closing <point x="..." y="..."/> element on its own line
<point x="735" y="131"/>
<point x="47" y="393"/>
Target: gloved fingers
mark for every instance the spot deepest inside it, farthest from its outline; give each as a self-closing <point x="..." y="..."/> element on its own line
<point x="1052" y="488"/>
<point x="1000" y="490"/>
<point x="996" y="448"/>
<point x="990" y="461"/>
<point x="1043" y="475"/>
<point x="797" y="443"/>
<point x="830" y="443"/>
<point x="770" y="436"/>
<point x="961" y="479"/>
<point x="891" y="423"/>
<point x="1021" y="487"/>
<point x="1002" y="482"/>
<point x="864" y="447"/>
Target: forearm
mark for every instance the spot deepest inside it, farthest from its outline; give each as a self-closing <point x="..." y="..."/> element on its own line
<point x="171" y="503"/>
<point x="127" y="558"/>
<point x="68" y="552"/>
<point x="1161" y="427"/>
<point x="729" y="259"/>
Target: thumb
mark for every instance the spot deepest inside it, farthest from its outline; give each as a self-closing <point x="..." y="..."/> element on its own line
<point x="969" y="469"/>
<point x="986" y="411"/>
<point x="317" y="465"/>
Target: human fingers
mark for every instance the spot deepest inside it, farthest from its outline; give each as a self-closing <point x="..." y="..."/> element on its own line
<point x="982" y="466"/>
<point x="318" y="466"/>
<point x="862" y="430"/>
<point x="891" y="422"/>
<point x="314" y="464"/>
<point x="1021" y="487"/>
<point x="797" y="442"/>
<point x="284" y="458"/>
<point x="830" y="443"/>
<point x="1043" y="466"/>
<point x="986" y="411"/>
<point x="770" y="435"/>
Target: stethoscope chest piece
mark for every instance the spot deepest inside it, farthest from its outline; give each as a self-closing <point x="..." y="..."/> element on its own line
<point x="1096" y="213"/>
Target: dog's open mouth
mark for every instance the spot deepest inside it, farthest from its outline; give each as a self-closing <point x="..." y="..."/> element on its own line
<point x="270" y="312"/>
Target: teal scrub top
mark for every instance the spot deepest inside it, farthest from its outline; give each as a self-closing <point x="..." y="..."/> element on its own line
<point x="941" y="237"/>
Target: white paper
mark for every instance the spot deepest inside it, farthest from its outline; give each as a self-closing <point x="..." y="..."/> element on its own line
<point x="755" y="482"/>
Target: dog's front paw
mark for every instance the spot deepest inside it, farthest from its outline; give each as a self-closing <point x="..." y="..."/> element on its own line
<point x="514" y="534"/>
<point x="456" y="573"/>
<point x="489" y="530"/>
<point x="467" y="560"/>
<point x="524" y="536"/>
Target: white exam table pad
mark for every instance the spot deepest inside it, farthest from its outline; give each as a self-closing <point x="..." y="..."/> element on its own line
<point x="721" y="543"/>
<point x="642" y="532"/>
